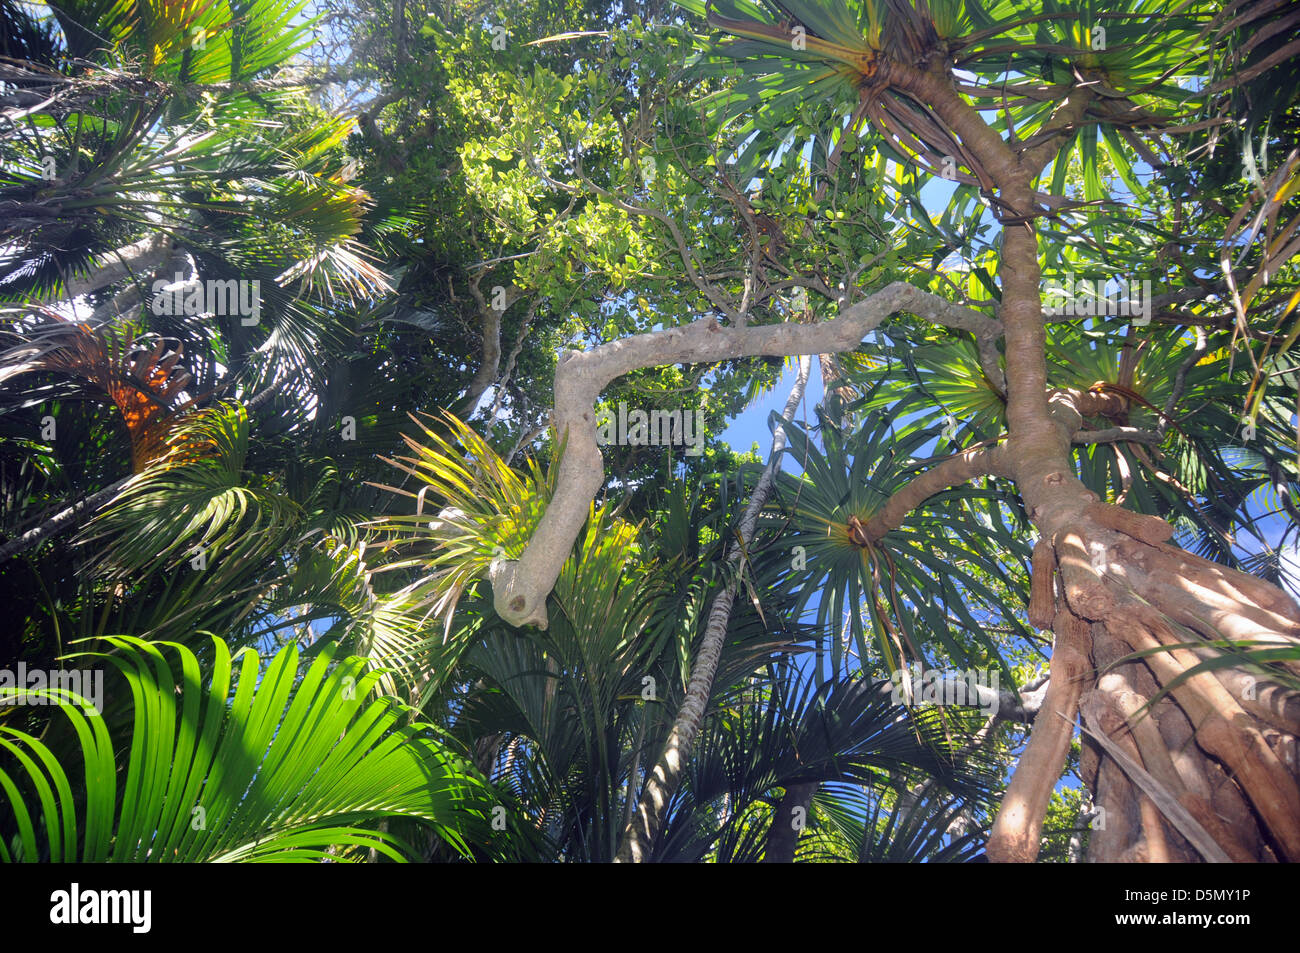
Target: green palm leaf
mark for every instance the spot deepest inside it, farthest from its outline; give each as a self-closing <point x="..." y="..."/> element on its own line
<point x="281" y="770"/>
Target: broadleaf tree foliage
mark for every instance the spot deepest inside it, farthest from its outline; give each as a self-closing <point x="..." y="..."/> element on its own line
<point x="384" y="353"/>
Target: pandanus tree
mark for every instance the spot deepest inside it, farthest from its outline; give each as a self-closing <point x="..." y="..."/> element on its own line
<point x="1072" y="142"/>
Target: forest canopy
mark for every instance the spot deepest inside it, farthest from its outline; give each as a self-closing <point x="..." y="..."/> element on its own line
<point x="378" y="384"/>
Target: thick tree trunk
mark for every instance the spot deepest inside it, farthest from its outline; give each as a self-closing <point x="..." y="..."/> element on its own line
<point x="1222" y="745"/>
<point x="666" y="775"/>
<point x="1123" y="588"/>
<point x="1120" y="582"/>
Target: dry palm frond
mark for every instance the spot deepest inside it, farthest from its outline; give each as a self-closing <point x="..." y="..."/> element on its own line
<point x="146" y="384"/>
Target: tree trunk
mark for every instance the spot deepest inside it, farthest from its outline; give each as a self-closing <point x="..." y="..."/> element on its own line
<point x="666" y="775"/>
<point x="64" y="519"/>
<point x="788" y="821"/>
<point x="1222" y="745"/>
<point x="1121" y="587"/>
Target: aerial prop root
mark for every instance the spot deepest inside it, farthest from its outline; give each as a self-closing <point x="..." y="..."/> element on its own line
<point x="1120" y="711"/>
<point x="1016" y="830"/>
<point x="1091" y="558"/>
<point x="1222" y="727"/>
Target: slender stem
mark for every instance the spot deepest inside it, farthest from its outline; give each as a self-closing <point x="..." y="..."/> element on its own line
<point x="664" y="779"/>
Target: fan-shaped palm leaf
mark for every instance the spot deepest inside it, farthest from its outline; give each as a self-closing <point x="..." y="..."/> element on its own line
<point x="283" y="770"/>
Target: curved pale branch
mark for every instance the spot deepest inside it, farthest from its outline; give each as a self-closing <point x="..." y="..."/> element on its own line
<point x="520" y="587"/>
<point x="136" y="259"/>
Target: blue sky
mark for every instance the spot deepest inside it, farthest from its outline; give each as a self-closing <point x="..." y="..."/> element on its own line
<point x="751" y="427"/>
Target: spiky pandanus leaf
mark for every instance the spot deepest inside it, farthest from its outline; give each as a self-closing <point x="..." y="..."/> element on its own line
<point x="886" y="589"/>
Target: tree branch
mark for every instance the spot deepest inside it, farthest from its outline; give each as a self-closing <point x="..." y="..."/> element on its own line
<point x="1116" y="434"/>
<point x="139" y="258"/>
<point x="662" y="781"/>
<point x="1180" y="381"/>
<point x="490" y="326"/>
<point x="956" y="470"/>
<point x="64" y="519"/>
<point x="521" y="586"/>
